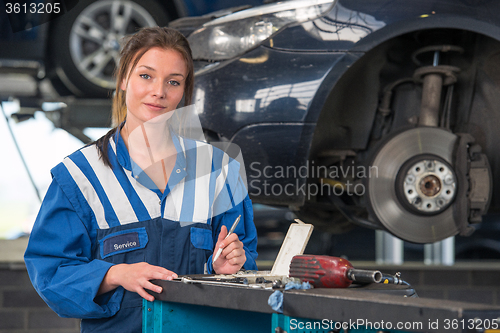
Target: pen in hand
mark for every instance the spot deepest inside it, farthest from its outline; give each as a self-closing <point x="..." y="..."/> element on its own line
<point x="219" y="251"/>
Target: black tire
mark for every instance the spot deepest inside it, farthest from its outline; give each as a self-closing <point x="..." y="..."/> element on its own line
<point x="67" y="47"/>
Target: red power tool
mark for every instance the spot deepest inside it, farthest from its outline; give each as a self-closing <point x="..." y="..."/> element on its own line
<point x="330" y="272"/>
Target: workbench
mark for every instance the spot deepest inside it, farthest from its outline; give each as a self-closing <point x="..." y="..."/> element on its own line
<point x="375" y="308"/>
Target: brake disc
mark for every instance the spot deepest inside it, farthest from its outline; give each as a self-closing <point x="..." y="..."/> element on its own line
<point x="414" y="189"/>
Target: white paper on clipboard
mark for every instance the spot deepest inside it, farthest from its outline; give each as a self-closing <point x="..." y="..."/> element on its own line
<point x="295" y="243"/>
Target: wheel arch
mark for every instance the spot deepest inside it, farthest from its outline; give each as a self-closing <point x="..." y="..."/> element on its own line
<point x="349" y="86"/>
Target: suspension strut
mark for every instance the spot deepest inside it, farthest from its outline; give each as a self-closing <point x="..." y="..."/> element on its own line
<point x="433" y="78"/>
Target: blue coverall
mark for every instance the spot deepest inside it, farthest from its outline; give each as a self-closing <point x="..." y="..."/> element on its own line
<point x="93" y="217"/>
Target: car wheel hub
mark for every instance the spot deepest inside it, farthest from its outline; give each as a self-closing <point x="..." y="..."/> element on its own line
<point x="112" y="43"/>
<point x="429" y="186"/>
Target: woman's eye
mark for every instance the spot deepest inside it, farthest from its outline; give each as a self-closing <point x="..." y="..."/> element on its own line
<point x="174" y="83"/>
<point x="145" y="76"/>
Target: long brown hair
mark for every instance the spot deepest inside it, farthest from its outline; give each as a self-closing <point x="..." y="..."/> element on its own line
<point x="133" y="49"/>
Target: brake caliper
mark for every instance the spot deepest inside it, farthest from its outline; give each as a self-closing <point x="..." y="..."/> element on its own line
<point x="472" y="169"/>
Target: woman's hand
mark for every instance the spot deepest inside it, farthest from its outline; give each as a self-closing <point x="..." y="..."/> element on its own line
<point x="232" y="257"/>
<point x="135" y="278"/>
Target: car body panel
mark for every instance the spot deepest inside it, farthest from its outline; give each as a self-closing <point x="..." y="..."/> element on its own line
<point x="267" y="117"/>
<point x="254" y="96"/>
<point x="272" y="175"/>
<point x="200" y="7"/>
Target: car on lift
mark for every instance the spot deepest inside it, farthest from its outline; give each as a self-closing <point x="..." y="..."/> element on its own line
<point x="76" y="43"/>
<point x="380" y="113"/>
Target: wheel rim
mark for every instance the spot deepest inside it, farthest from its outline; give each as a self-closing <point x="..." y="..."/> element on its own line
<point x="95" y="37"/>
<point x="399" y="159"/>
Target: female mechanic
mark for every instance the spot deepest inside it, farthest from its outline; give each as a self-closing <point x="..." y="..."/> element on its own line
<point x="116" y="217"/>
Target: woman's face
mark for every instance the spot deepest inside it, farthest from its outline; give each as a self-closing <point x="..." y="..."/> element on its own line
<point x="156" y="85"/>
